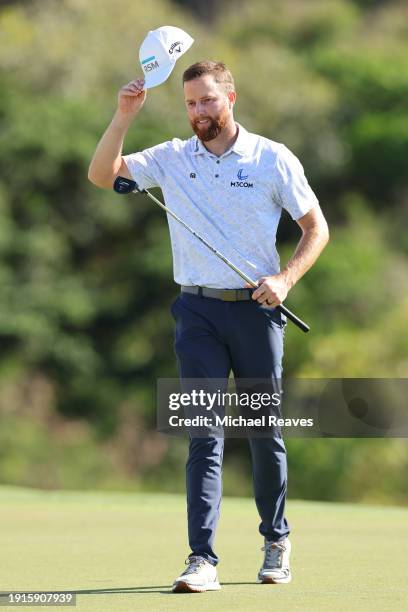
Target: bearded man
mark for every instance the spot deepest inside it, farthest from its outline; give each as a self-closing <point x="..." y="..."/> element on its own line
<point x="231" y="185"/>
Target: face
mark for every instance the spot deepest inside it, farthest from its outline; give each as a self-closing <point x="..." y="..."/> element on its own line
<point x="209" y="107"/>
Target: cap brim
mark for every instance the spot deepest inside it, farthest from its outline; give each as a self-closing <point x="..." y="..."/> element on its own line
<point x="157" y="77"/>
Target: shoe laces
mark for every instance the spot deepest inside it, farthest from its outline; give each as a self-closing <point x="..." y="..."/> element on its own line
<point x="194" y="565"/>
<point x="273" y="554"/>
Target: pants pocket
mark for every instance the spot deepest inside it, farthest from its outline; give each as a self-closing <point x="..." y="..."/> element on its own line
<point x="173" y="307"/>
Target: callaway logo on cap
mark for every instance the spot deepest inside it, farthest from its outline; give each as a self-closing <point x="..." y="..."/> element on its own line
<point x="159" y="52"/>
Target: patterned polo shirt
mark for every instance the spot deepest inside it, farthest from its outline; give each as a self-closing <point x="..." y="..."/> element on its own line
<point x="234" y="201"/>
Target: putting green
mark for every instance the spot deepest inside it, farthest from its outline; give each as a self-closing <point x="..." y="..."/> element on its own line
<point x="120" y="552"/>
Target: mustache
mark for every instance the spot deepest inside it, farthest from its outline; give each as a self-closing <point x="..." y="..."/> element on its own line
<point x="196" y="121"/>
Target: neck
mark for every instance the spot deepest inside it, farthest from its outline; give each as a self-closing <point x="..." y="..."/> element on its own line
<point x="224" y="140"/>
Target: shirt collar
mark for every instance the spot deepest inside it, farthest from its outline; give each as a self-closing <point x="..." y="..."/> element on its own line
<point x="240" y="146"/>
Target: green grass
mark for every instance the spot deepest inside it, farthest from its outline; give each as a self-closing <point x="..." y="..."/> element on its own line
<point x="120" y="552"/>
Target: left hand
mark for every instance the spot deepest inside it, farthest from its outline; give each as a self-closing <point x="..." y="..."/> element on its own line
<point x="272" y="290"/>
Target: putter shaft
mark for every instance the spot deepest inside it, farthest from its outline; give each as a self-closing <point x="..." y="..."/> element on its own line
<point x="123" y="185"/>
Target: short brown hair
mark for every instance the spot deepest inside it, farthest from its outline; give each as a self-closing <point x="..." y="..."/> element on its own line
<point x="218" y="70"/>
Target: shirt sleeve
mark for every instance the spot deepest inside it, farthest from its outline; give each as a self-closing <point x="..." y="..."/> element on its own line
<point x="146" y="167"/>
<point x="292" y="190"/>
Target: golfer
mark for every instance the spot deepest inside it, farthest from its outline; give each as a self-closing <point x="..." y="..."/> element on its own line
<point x="231" y="186"/>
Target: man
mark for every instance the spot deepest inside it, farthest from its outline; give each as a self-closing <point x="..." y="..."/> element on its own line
<point x="231" y="186"/>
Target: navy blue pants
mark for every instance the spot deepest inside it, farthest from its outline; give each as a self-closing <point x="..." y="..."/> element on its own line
<point x="212" y="338"/>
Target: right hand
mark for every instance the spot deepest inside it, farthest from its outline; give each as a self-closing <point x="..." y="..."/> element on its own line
<point x="131" y="97"/>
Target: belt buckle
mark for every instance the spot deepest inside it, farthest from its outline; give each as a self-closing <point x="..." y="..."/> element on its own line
<point x="229" y="295"/>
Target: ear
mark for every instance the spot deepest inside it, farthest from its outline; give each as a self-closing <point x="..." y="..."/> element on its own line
<point x="232" y="96"/>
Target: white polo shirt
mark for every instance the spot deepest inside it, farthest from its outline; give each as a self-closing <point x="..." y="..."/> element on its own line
<point x="234" y="201"/>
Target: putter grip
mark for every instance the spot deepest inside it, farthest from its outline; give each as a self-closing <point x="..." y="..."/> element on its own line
<point x="290" y="315"/>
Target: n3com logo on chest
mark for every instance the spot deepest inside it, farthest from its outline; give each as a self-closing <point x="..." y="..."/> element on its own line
<point x="241" y="182"/>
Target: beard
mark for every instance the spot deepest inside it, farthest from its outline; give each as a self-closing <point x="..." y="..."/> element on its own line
<point x="212" y="130"/>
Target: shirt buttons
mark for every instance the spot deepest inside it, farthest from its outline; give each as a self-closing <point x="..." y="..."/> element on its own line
<point x="217" y="175"/>
<point x="218" y="161"/>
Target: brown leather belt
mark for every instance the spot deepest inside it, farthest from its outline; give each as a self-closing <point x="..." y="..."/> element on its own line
<point x="227" y="295"/>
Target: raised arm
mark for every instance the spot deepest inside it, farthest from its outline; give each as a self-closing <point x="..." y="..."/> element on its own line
<point x="107" y="162"/>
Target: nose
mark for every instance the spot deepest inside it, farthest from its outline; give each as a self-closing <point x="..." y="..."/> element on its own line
<point x="200" y="109"/>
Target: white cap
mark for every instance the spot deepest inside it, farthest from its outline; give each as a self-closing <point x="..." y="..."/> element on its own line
<point x="159" y="52"/>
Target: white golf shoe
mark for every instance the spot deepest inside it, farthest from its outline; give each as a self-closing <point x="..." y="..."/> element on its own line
<point x="275" y="568"/>
<point x="199" y="576"/>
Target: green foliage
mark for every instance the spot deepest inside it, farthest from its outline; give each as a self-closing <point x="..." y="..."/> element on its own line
<point x="381" y="175"/>
<point x="86" y="276"/>
<point x="362" y="470"/>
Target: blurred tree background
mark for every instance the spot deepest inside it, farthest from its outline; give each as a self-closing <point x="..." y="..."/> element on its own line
<point x="86" y="278"/>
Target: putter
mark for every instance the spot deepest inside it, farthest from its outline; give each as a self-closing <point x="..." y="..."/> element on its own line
<point x="124" y="185"/>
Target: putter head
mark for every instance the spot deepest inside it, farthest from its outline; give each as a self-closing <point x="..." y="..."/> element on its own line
<point x="124" y="185"/>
